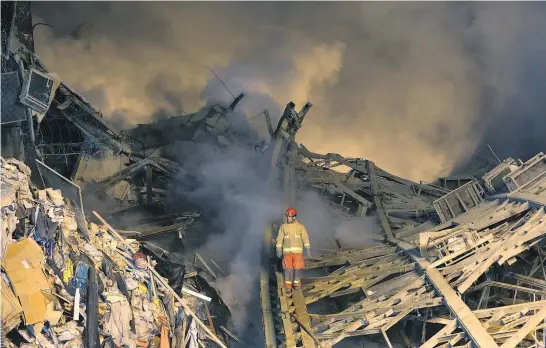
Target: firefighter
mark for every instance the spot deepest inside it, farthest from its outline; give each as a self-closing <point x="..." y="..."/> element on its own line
<point x="292" y="241"/>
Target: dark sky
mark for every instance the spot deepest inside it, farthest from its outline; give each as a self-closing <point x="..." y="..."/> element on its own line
<point x="414" y="86"/>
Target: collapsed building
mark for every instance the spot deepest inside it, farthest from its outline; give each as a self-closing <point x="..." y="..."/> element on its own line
<point x="88" y="283"/>
<point x="461" y="262"/>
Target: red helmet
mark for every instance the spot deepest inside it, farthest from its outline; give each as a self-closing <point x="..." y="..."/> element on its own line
<point x="291" y="212"/>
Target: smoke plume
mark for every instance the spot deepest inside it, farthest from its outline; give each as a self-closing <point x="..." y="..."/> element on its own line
<point x="416" y="87"/>
<point x="238" y="204"/>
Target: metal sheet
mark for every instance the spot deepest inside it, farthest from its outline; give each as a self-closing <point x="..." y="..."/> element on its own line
<point x="69" y="190"/>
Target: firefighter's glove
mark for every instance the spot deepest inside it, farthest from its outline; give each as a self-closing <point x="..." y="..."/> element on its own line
<point x="279" y="253"/>
<point x="307" y="252"/>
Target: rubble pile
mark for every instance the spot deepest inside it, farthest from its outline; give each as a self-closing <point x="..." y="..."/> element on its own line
<point x="62" y="289"/>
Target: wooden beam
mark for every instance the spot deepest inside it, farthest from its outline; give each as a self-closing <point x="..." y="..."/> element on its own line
<point x="376" y="193"/>
<point x="446" y="330"/>
<point x="285" y="316"/>
<point x="384" y="333"/>
<point x="535" y="320"/>
<point x="303" y="318"/>
<point x="468" y="321"/>
<point x="209" y="319"/>
<point x="507" y="286"/>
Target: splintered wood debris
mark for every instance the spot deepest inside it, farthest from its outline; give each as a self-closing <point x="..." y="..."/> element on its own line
<point x="461" y="264"/>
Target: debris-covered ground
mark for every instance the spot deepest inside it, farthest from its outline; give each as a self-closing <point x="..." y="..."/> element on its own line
<point x="131" y="234"/>
<point x="61" y="288"/>
<point x="152" y="236"/>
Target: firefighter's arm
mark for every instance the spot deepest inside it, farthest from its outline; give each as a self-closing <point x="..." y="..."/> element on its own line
<point x="305" y="240"/>
<point x="280" y="239"/>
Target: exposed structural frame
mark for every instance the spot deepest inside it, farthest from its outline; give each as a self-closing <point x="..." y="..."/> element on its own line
<point x="470" y="324"/>
<point x="459" y="201"/>
<point x="423" y="266"/>
<point x="291" y="311"/>
<point x="445" y="263"/>
<point x="465" y="318"/>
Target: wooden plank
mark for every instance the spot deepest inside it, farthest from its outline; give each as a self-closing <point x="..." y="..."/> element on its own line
<point x="285" y="316"/>
<point x="209" y="319"/>
<point x="384" y="333"/>
<point x="452" y="342"/>
<point x="446" y="330"/>
<point x="513" y="341"/>
<point x="397" y="318"/>
<point x="443" y="321"/>
<point x="508" y="286"/>
<point x="303" y="316"/>
<point x="376" y="193"/>
<point x="470" y="324"/>
<point x="496" y="317"/>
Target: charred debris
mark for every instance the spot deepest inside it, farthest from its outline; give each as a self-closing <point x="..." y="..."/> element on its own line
<point x="461" y="262"/>
<point x="75" y="277"/>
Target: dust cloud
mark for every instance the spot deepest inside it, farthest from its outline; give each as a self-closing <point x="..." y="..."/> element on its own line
<point x="416" y="87"/>
<point x="238" y="204"/>
<point x="326" y="224"/>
